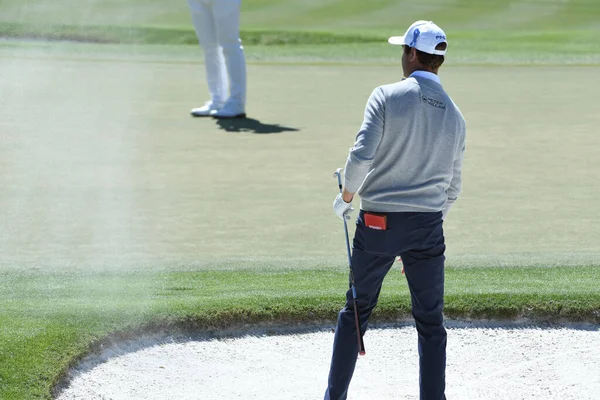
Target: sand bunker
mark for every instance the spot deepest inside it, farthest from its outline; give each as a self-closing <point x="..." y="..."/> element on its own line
<point x="484" y="362"/>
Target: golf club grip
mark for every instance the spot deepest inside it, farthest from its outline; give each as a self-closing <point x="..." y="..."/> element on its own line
<point x="361" y="343"/>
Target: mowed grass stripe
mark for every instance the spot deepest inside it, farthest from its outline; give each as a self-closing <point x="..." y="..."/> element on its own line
<point x="384" y="16"/>
<point x="459" y="13"/>
<point x="379" y="16"/>
<point x="342" y="14"/>
<point x="518" y="16"/>
<point x="280" y="15"/>
<point x="576" y="14"/>
<point x="89" y="13"/>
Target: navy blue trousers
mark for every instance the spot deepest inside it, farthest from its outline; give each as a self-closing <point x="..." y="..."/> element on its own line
<point x="419" y="239"/>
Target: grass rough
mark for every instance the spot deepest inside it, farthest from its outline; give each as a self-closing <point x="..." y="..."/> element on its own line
<point x="50" y="320"/>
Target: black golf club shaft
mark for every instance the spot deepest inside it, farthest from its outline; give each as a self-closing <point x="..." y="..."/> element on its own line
<point x="361" y="344"/>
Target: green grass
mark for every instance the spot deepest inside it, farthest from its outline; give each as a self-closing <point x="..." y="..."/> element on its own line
<point x="346" y="16"/>
<point x="468" y="47"/>
<point x="174" y="35"/>
<point x="480" y="32"/>
<point x="113" y="176"/>
<point x="51" y="319"/>
<point x="151" y="186"/>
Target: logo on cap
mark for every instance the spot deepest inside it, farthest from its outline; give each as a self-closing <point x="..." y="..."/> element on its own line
<point x="415" y="36"/>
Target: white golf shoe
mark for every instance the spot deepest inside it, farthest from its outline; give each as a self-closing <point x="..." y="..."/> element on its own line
<point x="229" y="111"/>
<point x="205" y="110"/>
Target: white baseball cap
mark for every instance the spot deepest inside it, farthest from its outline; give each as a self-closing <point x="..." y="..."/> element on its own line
<point x="423" y="36"/>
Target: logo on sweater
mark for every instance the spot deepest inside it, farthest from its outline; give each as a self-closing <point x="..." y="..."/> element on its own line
<point x="433" y="102"/>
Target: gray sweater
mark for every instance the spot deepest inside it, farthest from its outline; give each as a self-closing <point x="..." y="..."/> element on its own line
<point x="409" y="150"/>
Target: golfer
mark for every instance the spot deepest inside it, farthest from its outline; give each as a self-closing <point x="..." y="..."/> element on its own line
<point x="406" y="166"/>
<point x="217" y="25"/>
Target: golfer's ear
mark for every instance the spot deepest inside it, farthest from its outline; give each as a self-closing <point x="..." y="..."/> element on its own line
<point x="413" y="54"/>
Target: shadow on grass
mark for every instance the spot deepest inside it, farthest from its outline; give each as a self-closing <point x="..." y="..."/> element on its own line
<point x="252" y="125"/>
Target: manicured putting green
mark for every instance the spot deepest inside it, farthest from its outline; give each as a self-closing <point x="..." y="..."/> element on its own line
<point x="130" y="178"/>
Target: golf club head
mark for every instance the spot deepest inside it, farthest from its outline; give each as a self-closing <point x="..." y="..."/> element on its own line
<point x="338" y="174"/>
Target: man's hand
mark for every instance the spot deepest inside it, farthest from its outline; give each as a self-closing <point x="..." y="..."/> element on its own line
<point x="341" y="208"/>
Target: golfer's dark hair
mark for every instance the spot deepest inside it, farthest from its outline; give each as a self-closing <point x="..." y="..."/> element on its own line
<point x="432" y="61"/>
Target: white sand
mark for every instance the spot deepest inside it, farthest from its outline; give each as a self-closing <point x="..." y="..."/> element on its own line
<point x="493" y="362"/>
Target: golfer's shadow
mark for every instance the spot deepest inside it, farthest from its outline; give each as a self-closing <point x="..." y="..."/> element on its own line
<point x="252" y="125"/>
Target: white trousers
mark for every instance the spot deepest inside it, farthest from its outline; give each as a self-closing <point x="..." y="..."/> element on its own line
<point x="217" y="25"/>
